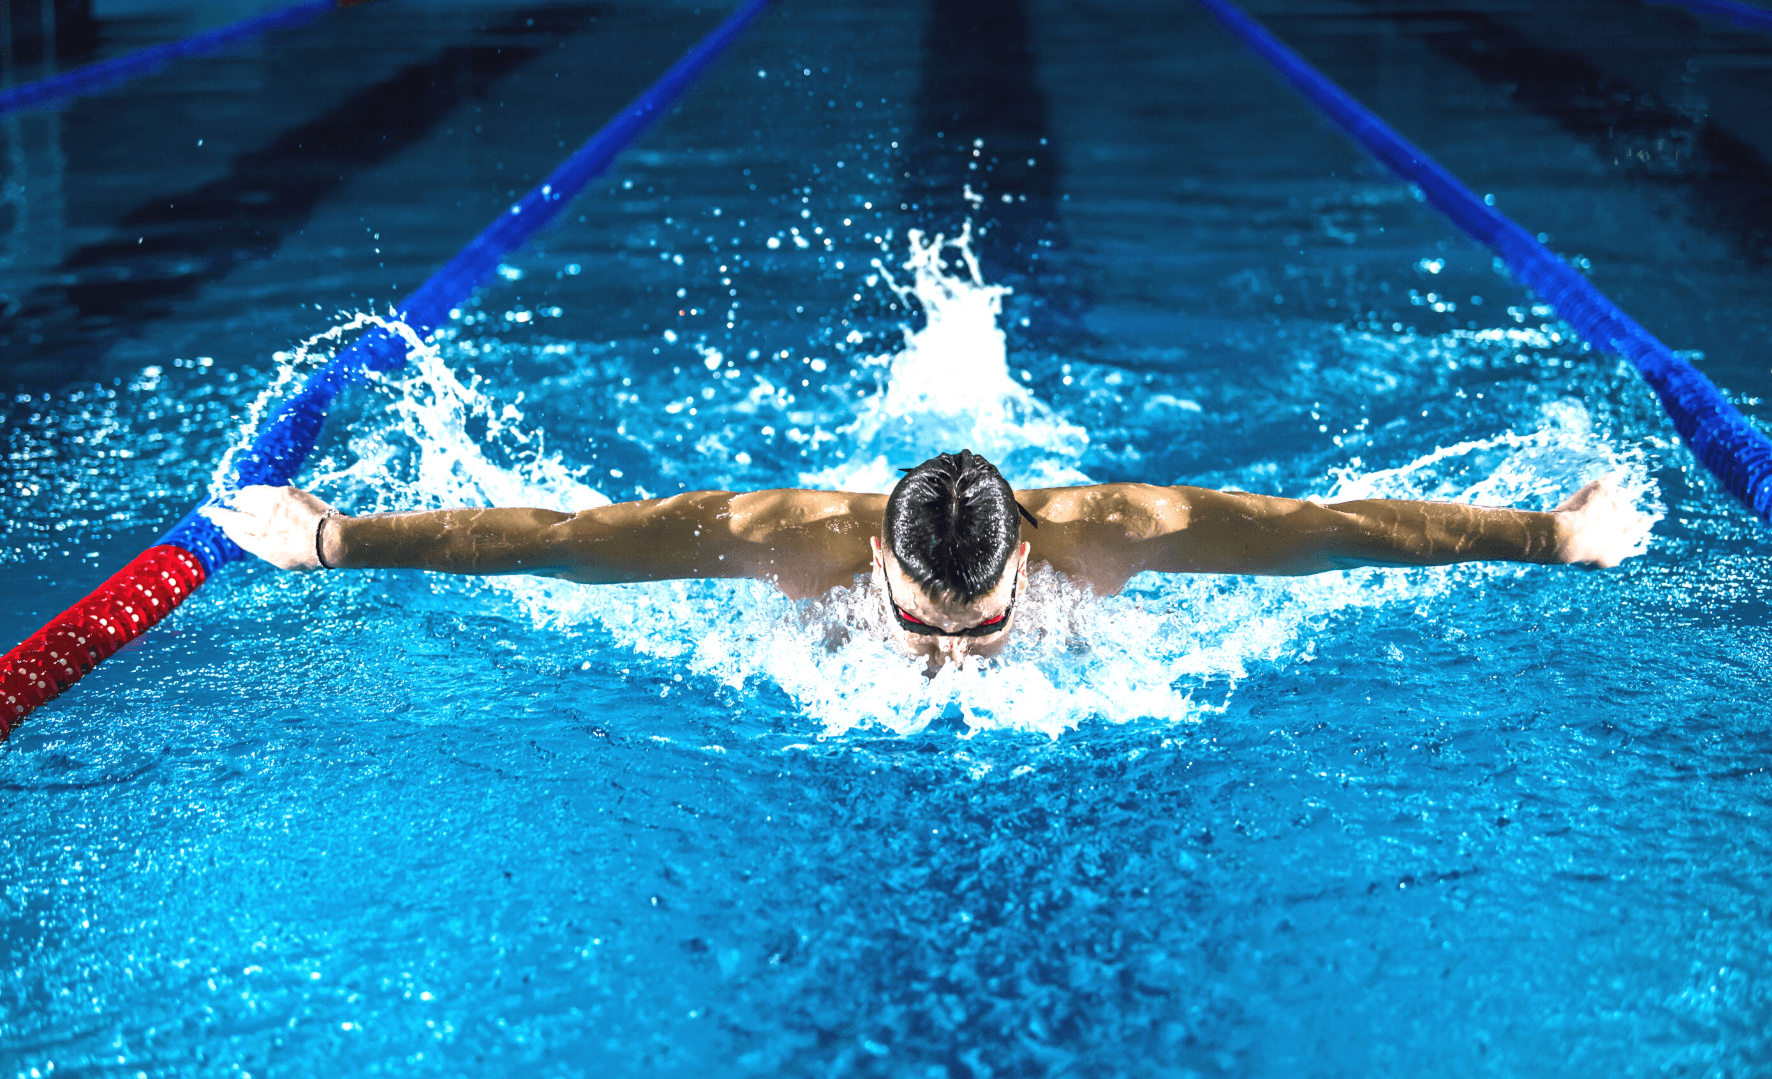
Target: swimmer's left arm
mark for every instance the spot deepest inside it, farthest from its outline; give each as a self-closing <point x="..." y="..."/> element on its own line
<point x="1114" y="531"/>
<point x="1235" y="532"/>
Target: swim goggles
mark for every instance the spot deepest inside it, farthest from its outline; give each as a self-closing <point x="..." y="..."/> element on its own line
<point x="924" y="629"/>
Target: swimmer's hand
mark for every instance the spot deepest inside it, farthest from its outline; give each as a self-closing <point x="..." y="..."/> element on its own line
<point x="1600" y="526"/>
<point x="277" y="524"/>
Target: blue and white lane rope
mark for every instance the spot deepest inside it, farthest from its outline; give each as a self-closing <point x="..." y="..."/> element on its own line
<point x="1745" y="16"/>
<point x="288" y="436"/>
<point x="1728" y="444"/>
<point x="108" y="73"/>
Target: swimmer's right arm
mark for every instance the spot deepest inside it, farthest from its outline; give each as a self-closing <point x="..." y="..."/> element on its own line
<point x="804" y="541"/>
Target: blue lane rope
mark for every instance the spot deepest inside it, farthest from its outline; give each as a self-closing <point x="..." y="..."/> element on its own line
<point x="1743" y="15"/>
<point x="1719" y="435"/>
<point x="108" y="73"/>
<point x="285" y="440"/>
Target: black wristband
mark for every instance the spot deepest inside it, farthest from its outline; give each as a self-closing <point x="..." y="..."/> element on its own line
<point x="319" y="534"/>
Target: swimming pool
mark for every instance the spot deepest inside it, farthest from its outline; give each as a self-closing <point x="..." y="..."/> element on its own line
<point x="1488" y="820"/>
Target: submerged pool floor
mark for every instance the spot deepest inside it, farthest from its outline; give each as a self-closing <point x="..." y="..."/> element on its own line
<point x="1488" y="820"/>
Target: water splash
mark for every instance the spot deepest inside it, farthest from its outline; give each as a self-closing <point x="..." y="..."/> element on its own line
<point x="439" y="439"/>
<point x="950" y="387"/>
<point x="1537" y="469"/>
<point x="1170" y="649"/>
<point x="292" y="367"/>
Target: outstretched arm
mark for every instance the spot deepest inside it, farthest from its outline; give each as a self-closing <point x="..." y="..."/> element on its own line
<point x="1109" y="533"/>
<point x="805" y="541"/>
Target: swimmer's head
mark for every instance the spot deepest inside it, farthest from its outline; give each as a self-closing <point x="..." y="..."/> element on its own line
<point x="951" y="558"/>
<point x="952" y="524"/>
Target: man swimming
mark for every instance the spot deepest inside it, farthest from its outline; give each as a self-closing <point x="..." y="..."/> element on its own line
<point x="946" y="549"/>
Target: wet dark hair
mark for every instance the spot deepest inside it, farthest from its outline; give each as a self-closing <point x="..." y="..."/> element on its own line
<point x="952" y="522"/>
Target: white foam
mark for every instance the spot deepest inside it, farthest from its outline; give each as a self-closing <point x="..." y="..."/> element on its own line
<point x="291" y="368"/>
<point x="1533" y="470"/>
<point x="1173" y="648"/>
<point x="949" y="388"/>
<point x="426" y="452"/>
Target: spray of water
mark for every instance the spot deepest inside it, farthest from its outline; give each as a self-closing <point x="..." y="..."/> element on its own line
<point x="1170" y="648"/>
<point x="950" y="388"/>
<point x="292" y="367"/>
<point x="447" y="442"/>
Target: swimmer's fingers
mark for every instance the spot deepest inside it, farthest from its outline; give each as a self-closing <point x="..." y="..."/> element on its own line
<point x="1603" y="526"/>
<point x="258" y="500"/>
<point x="1604" y="489"/>
<point x="251" y="534"/>
<point x="275" y="523"/>
<point x="262" y="500"/>
<point x="237" y="525"/>
<point x="1633" y="535"/>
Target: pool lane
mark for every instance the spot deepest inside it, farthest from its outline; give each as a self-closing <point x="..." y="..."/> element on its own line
<point x="169" y="246"/>
<point x="1634" y="135"/>
<point x="1465" y="824"/>
<point x="1644" y="126"/>
<point x="983" y="119"/>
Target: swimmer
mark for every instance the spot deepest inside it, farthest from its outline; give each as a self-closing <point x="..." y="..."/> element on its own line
<point x="946" y="550"/>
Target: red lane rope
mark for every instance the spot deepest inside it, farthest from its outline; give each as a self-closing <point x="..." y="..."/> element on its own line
<point x="132" y="602"/>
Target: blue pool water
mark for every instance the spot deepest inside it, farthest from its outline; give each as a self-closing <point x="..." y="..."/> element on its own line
<point x="1487" y="820"/>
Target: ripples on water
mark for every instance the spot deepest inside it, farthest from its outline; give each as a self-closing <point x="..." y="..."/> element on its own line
<point x="1473" y="820"/>
<point x="1173" y="648"/>
<point x="1206" y="822"/>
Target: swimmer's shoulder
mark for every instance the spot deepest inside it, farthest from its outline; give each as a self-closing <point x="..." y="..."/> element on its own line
<point x="1103" y="534"/>
<point x="1132" y="511"/>
<point x="1089" y="533"/>
<point x="761" y="515"/>
<point x="807" y="542"/>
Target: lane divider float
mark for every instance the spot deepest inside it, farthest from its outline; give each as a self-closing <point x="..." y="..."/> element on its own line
<point x="107" y="74"/>
<point x="1745" y="16"/>
<point x="1727" y="442"/>
<point x="165" y="575"/>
